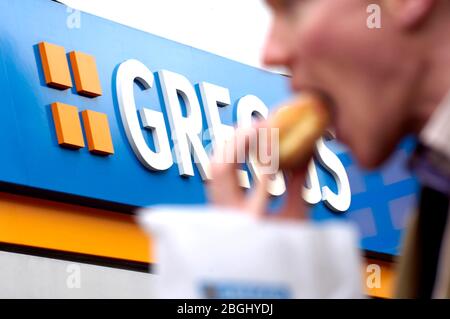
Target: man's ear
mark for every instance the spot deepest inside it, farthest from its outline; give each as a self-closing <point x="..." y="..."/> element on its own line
<point x="409" y="14"/>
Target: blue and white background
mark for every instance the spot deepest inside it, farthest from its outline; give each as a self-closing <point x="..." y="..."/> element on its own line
<point x="31" y="156"/>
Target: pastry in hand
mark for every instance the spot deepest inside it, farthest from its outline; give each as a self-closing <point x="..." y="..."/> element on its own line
<point x="301" y="123"/>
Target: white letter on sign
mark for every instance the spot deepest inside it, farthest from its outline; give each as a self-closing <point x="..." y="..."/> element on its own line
<point x="312" y="194"/>
<point x="213" y="97"/>
<point x="341" y="201"/>
<point x="186" y="131"/>
<point x="128" y="72"/>
<point x="248" y="106"/>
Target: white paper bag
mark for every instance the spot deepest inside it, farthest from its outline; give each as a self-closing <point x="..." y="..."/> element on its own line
<point x="216" y="253"/>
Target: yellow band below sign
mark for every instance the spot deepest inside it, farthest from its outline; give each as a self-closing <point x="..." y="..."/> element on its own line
<point x="71" y="228"/>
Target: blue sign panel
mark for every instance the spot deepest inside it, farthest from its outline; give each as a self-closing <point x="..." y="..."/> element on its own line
<point x="94" y="154"/>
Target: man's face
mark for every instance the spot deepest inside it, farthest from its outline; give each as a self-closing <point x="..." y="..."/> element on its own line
<point x="366" y="73"/>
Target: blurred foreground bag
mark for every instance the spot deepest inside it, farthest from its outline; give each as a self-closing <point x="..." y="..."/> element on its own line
<point x="216" y="253"/>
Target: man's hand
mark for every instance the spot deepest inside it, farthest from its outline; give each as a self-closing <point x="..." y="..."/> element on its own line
<point x="224" y="189"/>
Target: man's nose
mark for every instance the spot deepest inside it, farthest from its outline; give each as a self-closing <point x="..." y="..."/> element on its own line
<point x="276" y="49"/>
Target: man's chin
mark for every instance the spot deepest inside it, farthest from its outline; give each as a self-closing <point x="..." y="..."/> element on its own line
<point x="370" y="160"/>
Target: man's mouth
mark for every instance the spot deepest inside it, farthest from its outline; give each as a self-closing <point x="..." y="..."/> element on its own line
<point x="330" y="103"/>
<point x="328" y="100"/>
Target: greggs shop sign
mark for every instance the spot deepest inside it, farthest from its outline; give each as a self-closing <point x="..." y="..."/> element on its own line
<point x="120" y="116"/>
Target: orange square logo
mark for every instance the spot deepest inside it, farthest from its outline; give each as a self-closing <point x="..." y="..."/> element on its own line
<point x="55" y="65"/>
<point x="97" y="132"/>
<point x="68" y="125"/>
<point x="85" y="74"/>
<point x="67" y="121"/>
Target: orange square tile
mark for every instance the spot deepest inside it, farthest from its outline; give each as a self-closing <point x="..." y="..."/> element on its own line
<point x="68" y="125"/>
<point x="55" y="65"/>
<point x="97" y="132"/>
<point x="85" y="74"/>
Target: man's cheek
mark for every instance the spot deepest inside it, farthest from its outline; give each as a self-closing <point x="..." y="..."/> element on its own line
<point x="316" y="42"/>
<point x="307" y="44"/>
